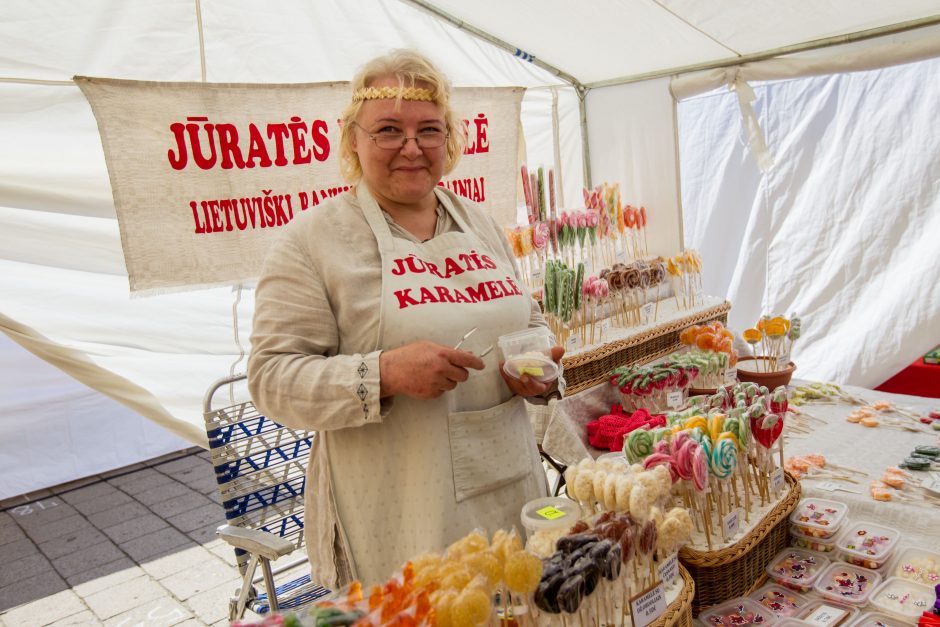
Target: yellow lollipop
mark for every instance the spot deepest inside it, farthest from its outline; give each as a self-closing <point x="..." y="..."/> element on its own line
<point x="727" y="435"/>
<point x="485" y="563"/>
<point x="752" y="336"/>
<point x="715" y="424"/>
<point x="506" y="543"/>
<point x="471" y="543"/>
<point x="522" y="572"/>
<point x="470" y="608"/>
<point x="455" y="575"/>
<point x="696" y="421"/>
<point x="774" y="329"/>
<point x="443" y="602"/>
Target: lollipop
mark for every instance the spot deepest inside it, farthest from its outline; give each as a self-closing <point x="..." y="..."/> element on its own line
<point x="638" y="445"/>
<point x="624" y="487"/>
<point x="724" y="459"/>
<point x="570" y="594"/>
<point x="700" y="463"/>
<point x="522" y="572"/>
<point x="540" y="236"/>
<point x="471" y="607"/>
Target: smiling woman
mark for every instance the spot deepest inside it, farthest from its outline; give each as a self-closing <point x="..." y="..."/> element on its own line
<point x="357" y="310"/>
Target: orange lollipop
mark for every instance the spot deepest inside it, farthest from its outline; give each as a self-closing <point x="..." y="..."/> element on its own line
<point x="705" y="341"/>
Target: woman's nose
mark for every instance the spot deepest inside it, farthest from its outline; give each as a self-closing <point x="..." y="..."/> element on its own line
<point x="411" y="147"/>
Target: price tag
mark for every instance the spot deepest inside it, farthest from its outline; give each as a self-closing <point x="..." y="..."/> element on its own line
<point x="828" y="486"/>
<point x="776" y="479"/>
<point x="550" y="513"/>
<point x="731" y="376"/>
<point x="648" y="606"/>
<point x="827" y="616"/>
<point x="536" y="275"/>
<point x="931" y="485"/>
<point x="730" y="524"/>
<point x="573" y="342"/>
<point x="669" y="569"/>
<point x="648" y="313"/>
<point x="605" y="329"/>
<point x="783" y="361"/>
<point x="674" y="399"/>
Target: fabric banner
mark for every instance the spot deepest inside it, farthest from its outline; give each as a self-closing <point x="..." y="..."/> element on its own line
<point x="204" y="175"/>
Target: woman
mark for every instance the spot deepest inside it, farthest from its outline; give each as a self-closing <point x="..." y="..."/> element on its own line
<point x="358" y="314"/>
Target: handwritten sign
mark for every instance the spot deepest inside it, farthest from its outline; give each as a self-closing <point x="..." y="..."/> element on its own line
<point x="648" y="313"/>
<point x="573" y="342"/>
<point x="648" y="606"/>
<point x="674" y="399"/>
<point x="776" y="479"/>
<point x="731" y="376"/>
<point x="783" y="362"/>
<point x="730" y="524"/>
<point x="537" y="275"/>
<point x="669" y="568"/>
<point x="827" y="616"/>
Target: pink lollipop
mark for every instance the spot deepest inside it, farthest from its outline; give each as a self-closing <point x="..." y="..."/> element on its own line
<point x="540" y="236"/>
<point x="700" y="468"/>
<point x="683" y="457"/>
<point x="656" y="459"/>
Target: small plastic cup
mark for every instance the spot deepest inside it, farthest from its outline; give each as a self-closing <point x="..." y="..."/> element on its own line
<point x="740" y="612"/>
<point x="803" y="541"/>
<point x="528" y="352"/>
<point x="826" y="613"/>
<point x="867" y="544"/>
<point x="550" y="512"/>
<point x="796" y="569"/>
<point x="847" y="583"/>
<point x="782" y="602"/>
<point x="819" y="518"/>
<point x="903" y="598"/>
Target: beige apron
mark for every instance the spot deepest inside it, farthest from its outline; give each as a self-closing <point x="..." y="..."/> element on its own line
<point x="434" y="470"/>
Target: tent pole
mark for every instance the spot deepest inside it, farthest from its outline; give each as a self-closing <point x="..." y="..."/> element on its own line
<point x="585" y="145"/>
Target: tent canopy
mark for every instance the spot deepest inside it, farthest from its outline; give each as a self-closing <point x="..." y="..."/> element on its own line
<point x="62" y="276"/>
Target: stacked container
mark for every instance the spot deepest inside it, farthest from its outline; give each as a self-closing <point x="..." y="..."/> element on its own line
<point x="817" y="521"/>
<point x="867" y="544"/>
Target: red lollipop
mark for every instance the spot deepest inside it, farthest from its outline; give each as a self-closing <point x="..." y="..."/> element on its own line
<point x="767" y="429"/>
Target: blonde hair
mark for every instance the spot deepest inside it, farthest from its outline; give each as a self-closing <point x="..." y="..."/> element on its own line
<point x="411" y="70"/>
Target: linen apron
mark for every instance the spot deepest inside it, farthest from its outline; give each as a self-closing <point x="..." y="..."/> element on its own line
<point x="434" y="470"/>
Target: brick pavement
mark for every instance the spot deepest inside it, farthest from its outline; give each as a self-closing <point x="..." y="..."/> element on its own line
<point x="131" y="547"/>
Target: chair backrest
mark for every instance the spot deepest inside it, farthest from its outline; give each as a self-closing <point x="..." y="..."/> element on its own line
<point x="260" y="466"/>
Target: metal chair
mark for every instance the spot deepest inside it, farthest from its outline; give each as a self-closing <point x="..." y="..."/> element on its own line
<point x="261" y="470"/>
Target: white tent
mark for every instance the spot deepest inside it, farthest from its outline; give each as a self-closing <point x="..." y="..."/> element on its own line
<point x="603" y="80"/>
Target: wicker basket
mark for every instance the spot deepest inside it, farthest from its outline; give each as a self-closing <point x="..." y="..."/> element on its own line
<point x="679" y="612"/>
<point x="590" y="368"/>
<point x="731" y="572"/>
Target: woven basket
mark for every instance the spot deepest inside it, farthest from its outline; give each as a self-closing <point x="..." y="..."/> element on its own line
<point x="731" y="572"/>
<point x="590" y="368"/>
<point x="679" y="612"/>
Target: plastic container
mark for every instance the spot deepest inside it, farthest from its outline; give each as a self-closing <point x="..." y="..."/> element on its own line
<point x="819" y="518"/>
<point x="550" y="512"/>
<point x="796" y="569"/>
<point x="868" y="544"/>
<point x="528" y="352"/>
<point x="903" y="598"/>
<point x="847" y="583"/>
<point x="782" y="602"/>
<point x="790" y="622"/>
<point x="917" y="565"/>
<point x="739" y="612"/>
<point x="877" y="619"/>
<point x="826" y="613"/>
<point x="803" y="541"/>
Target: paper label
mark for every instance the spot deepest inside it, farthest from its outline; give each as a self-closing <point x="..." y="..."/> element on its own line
<point x="731" y="376"/>
<point x="605" y="329"/>
<point x="647" y="313"/>
<point x="828" y="486"/>
<point x="932" y="485"/>
<point x="669" y="569"/>
<point x="648" y="606"/>
<point x="573" y="342"/>
<point x="674" y="399"/>
<point x="826" y="616"/>
<point x="730" y="524"/>
<point x="536" y="275"/>
<point x="550" y="513"/>
<point x="776" y="479"/>
<point x="783" y="361"/>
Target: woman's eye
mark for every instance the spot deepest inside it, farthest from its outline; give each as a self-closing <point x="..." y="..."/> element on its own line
<point x="389" y="130"/>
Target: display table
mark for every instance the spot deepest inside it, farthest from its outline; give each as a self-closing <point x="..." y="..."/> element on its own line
<point x="918" y="379"/>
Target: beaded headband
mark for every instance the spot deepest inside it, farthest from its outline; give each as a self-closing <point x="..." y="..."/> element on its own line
<point x="380" y="93"/>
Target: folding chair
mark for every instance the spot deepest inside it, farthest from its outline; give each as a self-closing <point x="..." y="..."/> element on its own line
<point x="261" y="470"/>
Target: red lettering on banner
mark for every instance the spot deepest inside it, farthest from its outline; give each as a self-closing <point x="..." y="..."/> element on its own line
<point x="472" y="188"/>
<point x="404" y="298"/>
<point x="443" y="294"/>
<point x="476" y="134"/>
<point x="257" y="150"/>
<point x="321" y="142"/>
<point x="427" y="296"/>
<point x="228" y="147"/>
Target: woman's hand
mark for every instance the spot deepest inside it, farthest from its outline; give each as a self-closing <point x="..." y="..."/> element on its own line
<point x="527" y="386"/>
<point x="424" y="369"/>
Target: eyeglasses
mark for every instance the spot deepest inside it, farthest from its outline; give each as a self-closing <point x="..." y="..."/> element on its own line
<point x="395" y="140"/>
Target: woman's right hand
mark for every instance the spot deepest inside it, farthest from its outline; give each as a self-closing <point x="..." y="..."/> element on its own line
<point x="424" y="369"/>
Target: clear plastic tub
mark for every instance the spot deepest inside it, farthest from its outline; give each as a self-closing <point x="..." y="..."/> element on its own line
<point x="796" y="569"/>
<point x="819" y="518"/>
<point x="803" y="541"/>
<point x="826" y="613"/>
<point x="847" y="583"/>
<point x="917" y="565"/>
<point x="739" y="612"/>
<point x="528" y="352"/>
<point x="790" y="622"/>
<point x="877" y="619"/>
<point x="550" y="512"/>
<point x="903" y="598"/>
<point x="782" y="602"/>
<point x="868" y="544"/>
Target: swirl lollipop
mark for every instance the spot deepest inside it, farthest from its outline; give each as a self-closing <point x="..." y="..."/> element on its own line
<point x="724" y="458"/>
<point x="638" y="445"/>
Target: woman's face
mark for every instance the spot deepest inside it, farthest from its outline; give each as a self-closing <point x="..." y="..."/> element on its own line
<point x="399" y="177"/>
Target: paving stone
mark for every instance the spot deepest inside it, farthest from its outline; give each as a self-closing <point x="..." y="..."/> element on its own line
<point x="211" y="606"/>
<point x="104" y="577"/>
<point x="207" y="514"/>
<point x="160" y="612"/>
<point x="85" y="619"/>
<point x="134" y="528"/>
<point x="181" y="464"/>
<point x="94" y="491"/>
<point x="42" y="513"/>
<point x="120" y="472"/>
<point x="124" y="597"/>
<point x="77" y="540"/>
<point x="46" y="610"/>
<point x="180" y="504"/>
<point x="69" y="524"/>
<point x="172" y="456"/>
<point x="13" y="542"/>
<point x="155" y="544"/>
<point x="28" y="566"/>
<point x="226" y="553"/>
<point x="27" y="589"/>
<point x="199" y="577"/>
<point x="87" y="559"/>
<point x="205" y="485"/>
<point x="103" y="503"/>
<point x="142" y="481"/>
<point x="179" y="559"/>
<point x="206" y="534"/>
<point x="117" y="515"/>
<point x="173" y="489"/>
<point x="6" y="520"/>
<point x="215" y="497"/>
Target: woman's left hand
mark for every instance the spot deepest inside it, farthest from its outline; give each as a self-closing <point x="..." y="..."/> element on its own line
<point x="527" y="386"/>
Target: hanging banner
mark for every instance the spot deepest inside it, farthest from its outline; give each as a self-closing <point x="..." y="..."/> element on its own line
<point x="205" y="175"/>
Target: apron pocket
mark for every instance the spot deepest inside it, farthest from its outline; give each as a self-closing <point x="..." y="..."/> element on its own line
<point x="485" y="447"/>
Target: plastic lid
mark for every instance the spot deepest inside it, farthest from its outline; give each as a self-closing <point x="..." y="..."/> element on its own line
<point x="797" y="532"/>
<point x="826" y="613"/>
<point x="790" y="622"/>
<point x="537" y="365"/>
<point x="877" y="619"/>
<point x="798" y="567"/>
<point x="739" y="612"/>
<point x="868" y="540"/>
<point x="917" y="565"/>
<point x="903" y="598"/>
<point x="847" y="583"/>
<point x="779" y="600"/>
<point x="550" y="512"/>
<point x="819" y="514"/>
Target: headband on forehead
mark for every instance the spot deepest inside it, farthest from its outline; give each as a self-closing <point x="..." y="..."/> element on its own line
<point x="382" y="93"/>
